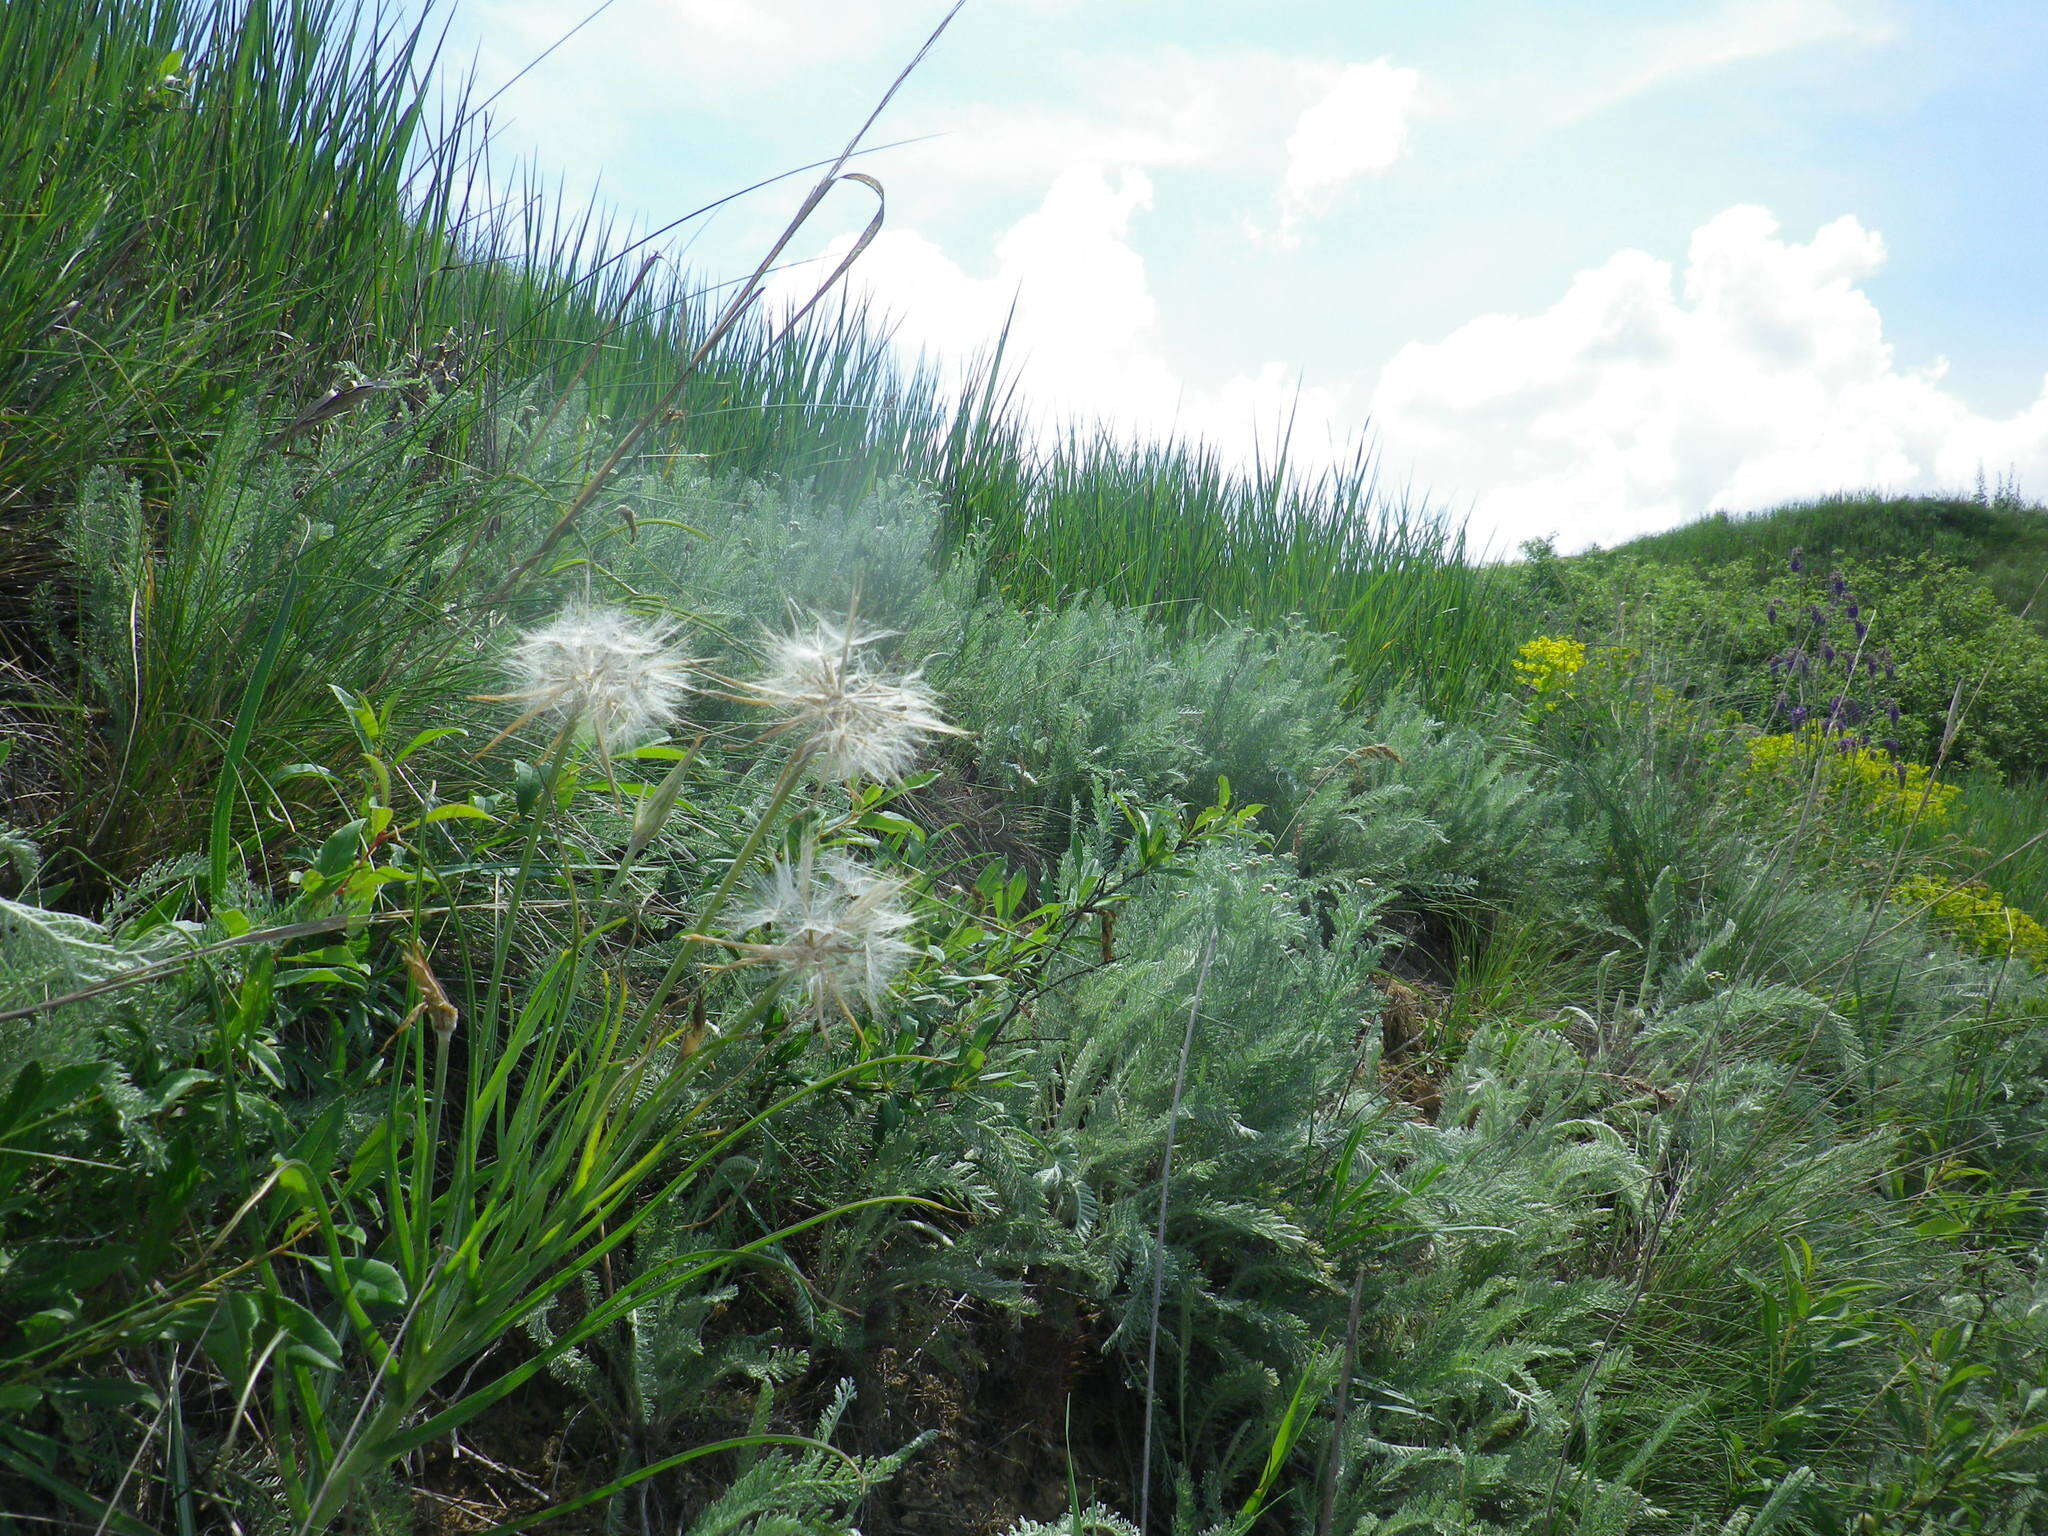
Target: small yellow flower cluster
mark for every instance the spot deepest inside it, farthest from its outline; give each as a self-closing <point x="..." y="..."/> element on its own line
<point x="1555" y="668"/>
<point x="1867" y="780"/>
<point x="1977" y="918"/>
<point x="1547" y="666"/>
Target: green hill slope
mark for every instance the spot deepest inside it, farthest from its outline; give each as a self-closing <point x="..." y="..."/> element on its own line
<point x="1998" y="537"/>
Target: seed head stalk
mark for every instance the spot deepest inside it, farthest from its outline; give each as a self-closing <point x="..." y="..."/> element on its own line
<point x="648" y="821"/>
<point x="749" y="292"/>
<point x="785" y="785"/>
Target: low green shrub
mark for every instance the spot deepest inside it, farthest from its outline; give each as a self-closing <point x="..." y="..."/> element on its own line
<point x="1963" y="668"/>
<point x="1061" y="703"/>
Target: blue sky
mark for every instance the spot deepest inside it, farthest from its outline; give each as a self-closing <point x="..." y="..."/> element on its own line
<point x="1585" y="269"/>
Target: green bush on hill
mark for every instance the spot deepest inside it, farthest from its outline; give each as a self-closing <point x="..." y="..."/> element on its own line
<point x="1997" y="535"/>
<point x="1958" y="654"/>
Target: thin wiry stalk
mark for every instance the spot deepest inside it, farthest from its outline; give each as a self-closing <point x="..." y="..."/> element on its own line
<point x="739" y="304"/>
<point x="1180" y="1079"/>
<point x="1333" y="1467"/>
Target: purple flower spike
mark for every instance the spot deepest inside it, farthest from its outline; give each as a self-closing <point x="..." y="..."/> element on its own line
<point x="1799" y="714"/>
<point x="1891" y="710"/>
<point x="1837" y="586"/>
<point x="1862" y="629"/>
<point x="1771" y="613"/>
<point x="1798" y="561"/>
<point x="1891" y="745"/>
<point x="1853" y="610"/>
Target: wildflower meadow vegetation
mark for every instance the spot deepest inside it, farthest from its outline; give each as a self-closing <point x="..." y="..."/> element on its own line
<point x="620" y="912"/>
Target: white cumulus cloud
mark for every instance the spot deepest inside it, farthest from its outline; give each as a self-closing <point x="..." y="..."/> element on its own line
<point x="1645" y="396"/>
<point x="1650" y="392"/>
<point x="1084" y="316"/>
<point x="1358" y="128"/>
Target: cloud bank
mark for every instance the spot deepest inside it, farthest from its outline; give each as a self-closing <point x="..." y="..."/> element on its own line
<point x="1645" y="396"/>
<point x="1654" y="387"/>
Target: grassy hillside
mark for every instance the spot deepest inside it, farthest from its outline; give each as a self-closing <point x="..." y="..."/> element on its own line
<point x="1997" y="536"/>
<point x="618" y="915"/>
<point x="1933" y="574"/>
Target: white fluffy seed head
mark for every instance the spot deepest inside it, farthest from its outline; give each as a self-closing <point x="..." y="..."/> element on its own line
<point x="849" y="721"/>
<point x="614" y="677"/>
<point x="832" y="929"/>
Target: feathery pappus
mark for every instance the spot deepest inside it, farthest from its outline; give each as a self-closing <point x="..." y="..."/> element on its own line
<point x="833" y="927"/>
<point x="849" y="721"/>
<point x="608" y="674"/>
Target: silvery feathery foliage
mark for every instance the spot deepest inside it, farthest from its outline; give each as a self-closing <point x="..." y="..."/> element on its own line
<point x="1095" y="1520"/>
<point x="833" y="926"/>
<point x="43" y="952"/>
<point x="848" y="720"/>
<point x="608" y="673"/>
<point x="816" y="1491"/>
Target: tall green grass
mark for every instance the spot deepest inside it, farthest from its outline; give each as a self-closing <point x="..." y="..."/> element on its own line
<point x="1173" y="528"/>
<point x="268" y="209"/>
<point x="2003" y="827"/>
<point x="202" y="203"/>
